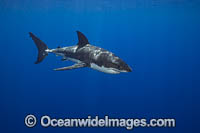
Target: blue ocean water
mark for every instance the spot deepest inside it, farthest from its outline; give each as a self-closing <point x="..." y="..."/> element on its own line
<point x="158" y="39"/>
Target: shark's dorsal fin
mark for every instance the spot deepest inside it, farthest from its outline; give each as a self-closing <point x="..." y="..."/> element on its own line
<point x="82" y="40"/>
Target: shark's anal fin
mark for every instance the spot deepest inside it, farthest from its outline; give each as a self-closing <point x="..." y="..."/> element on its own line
<point x="82" y="40"/>
<point x="75" y="66"/>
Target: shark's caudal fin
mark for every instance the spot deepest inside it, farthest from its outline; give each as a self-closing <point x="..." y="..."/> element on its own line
<point x="41" y="48"/>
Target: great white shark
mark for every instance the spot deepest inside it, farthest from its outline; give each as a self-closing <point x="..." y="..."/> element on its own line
<point x="84" y="55"/>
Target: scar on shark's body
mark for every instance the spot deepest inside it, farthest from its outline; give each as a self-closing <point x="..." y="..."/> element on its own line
<point x="84" y="55"/>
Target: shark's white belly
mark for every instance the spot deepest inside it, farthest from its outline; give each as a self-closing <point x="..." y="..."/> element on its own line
<point x="104" y="69"/>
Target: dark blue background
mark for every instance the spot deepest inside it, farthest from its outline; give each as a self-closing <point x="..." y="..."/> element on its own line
<point x="159" y="39"/>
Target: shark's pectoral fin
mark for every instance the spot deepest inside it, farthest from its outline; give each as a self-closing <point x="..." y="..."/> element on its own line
<point x="75" y="66"/>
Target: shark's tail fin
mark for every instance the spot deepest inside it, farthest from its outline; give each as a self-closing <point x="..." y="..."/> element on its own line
<point x="42" y="47"/>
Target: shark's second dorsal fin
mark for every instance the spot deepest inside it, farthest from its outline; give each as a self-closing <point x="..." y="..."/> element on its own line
<point x="82" y="40"/>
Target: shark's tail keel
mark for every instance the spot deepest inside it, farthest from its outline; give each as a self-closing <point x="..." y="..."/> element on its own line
<point x="42" y="48"/>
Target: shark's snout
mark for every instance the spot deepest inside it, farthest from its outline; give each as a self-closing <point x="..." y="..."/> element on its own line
<point x="122" y="66"/>
<point x="128" y="69"/>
